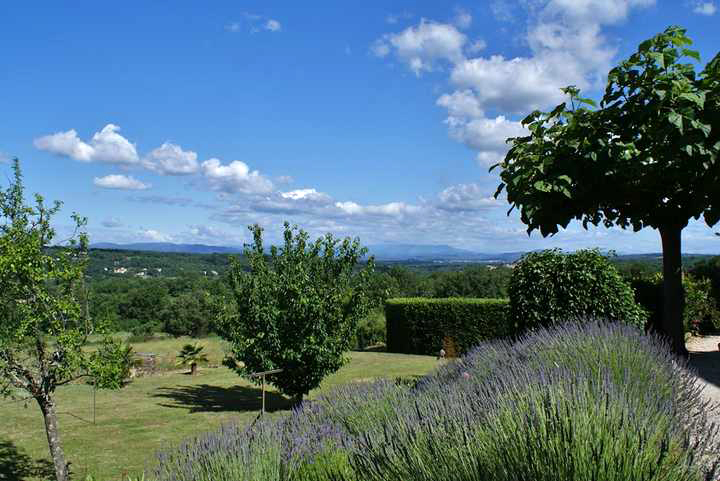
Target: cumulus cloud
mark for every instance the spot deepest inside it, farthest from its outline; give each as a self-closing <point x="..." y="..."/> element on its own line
<point x="465" y="197"/>
<point x="392" y="209"/>
<point x="235" y="177"/>
<point x="422" y="46"/>
<point x="153" y="235"/>
<point x="121" y="182"/>
<point x="171" y="159"/>
<point x="306" y="194"/>
<point x="566" y="46"/>
<point x="486" y="135"/>
<point x="106" y="146"/>
<point x="705" y="8"/>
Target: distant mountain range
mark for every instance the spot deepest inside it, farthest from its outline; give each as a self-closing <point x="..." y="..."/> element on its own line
<point x="383" y="252"/>
<point x="168" y="247"/>
<point x="386" y="252"/>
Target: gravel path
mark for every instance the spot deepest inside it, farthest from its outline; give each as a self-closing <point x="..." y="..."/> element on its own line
<point x="705" y="358"/>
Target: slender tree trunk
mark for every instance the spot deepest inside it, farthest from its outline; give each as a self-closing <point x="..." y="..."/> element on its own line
<point x="671" y="324"/>
<point x="47" y="406"/>
<point x="193" y="369"/>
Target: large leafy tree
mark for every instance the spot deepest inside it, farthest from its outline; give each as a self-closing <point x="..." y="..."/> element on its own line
<point x="646" y="157"/>
<point x="296" y="309"/>
<point x="43" y="321"/>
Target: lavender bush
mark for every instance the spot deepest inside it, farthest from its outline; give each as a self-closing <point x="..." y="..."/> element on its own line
<point x="582" y="401"/>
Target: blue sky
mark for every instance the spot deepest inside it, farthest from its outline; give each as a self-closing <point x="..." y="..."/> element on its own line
<point x="185" y="121"/>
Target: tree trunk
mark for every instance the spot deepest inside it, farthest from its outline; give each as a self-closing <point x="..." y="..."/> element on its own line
<point x="47" y="406"/>
<point x="671" y="324"/>
<point x="297" y="400"/>
<point x="193" y="369"/>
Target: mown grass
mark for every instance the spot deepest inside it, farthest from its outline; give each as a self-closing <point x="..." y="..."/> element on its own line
<point x="156" y="412"/>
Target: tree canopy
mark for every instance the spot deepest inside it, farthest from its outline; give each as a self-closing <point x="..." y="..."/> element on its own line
<point x="646" y="157"/>
<point x="43" y="321"/>
<point x="297" y="309"/>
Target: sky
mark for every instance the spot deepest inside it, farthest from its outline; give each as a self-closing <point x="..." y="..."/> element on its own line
<point x="186" y="121"/>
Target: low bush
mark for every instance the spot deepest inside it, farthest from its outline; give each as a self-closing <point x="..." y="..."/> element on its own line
<point x="419" y="325"/>
<point x="566" y="403"/>
<point x="550" y="286"/>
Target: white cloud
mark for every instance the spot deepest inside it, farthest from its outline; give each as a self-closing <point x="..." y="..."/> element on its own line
<point x="392" y="209"/>
<point x="153" y="235"/>
<point x="171" y="159"/>
<point x="306" y="194"/>
<point x="235" y="177"/>
<point x="121" y="182"/>
<point x="233" y="27"/>
<point x="465" y="197"/>
<point x="273" y="25"/>
<point x="705" y="8"/>
<point x="595" y="11"/>
<point x="566" y="46"/>
<point x="461" y="104"/>
<point x="106" y="146"/>
<point x="486" y="135"/>
<point x="422" y="46"/>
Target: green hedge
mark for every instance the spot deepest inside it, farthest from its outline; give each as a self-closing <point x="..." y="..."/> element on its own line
<point x="418" y="325"/>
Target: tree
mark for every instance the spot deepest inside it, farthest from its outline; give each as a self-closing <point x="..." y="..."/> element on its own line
<point x="43" y="323"/>
<point x="647" y="157"/>
<point x="191" y="354"/>
<point x="296" y="309"/>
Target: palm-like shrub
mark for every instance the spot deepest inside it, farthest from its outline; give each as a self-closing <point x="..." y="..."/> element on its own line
<point x="191" y="354"/>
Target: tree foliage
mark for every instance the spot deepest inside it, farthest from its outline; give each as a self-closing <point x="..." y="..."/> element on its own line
<point x="43" y="323"/>
<point x="551" y="287"/>
<point x="297" y="309"/>
<point x="647" y="157"/>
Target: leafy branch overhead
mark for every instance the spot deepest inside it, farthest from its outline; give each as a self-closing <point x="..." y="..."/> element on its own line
<point x="646" y="157"/>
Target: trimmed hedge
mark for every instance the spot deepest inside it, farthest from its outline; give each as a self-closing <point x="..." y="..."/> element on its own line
<point x="418" y="325"/>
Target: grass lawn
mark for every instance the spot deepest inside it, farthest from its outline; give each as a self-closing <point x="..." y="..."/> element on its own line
<point x="156" y="412"/>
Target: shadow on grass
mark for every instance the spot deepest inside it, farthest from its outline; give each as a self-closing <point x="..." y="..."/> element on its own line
<point x="17" y="466"/>
<point x="707" y="365"/>
<point x="205" y="398"/>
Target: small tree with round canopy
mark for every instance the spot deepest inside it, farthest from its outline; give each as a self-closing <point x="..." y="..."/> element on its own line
<point x="647" y="157"/>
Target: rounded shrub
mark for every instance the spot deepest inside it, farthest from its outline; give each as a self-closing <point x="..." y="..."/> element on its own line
<point x="550" y="287"/>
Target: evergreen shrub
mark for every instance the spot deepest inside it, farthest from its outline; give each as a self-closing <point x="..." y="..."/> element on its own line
<point x="551" y="287"/>
<point x="419" y="325"/>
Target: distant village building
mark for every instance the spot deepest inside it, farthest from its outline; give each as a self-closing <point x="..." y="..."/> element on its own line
<point x="120" y="270"/>
<point x="214" y="273"/>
